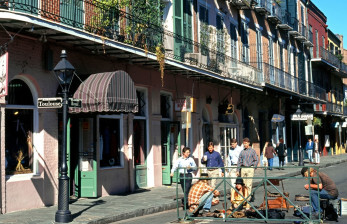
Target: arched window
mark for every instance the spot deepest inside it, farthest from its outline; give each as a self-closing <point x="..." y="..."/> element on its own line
<point x="19" y="128"/>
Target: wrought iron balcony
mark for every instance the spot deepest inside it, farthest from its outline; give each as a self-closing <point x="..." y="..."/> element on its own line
<point x="302" y="33"/>
<point x="242" y="4"/>
<point x="263" y="7"/>
<point x="276" y="13"/>
<point x="278" y="78"/>
<point x="138" y="38"/>
<point x="309" y="41"/>
<point x="294" y="23"/>
<point x="329" y="58"/>
<point x="333" y="108"/>
<point x="286" y="23"/>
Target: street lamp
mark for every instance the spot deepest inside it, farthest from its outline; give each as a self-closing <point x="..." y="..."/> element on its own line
<point x="64" y="73"/>
<point x="298" y="112"/>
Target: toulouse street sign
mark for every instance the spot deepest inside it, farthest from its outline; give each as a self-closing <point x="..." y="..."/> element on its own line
<point x="301" y="117"/>
<point x="50" y="102"/>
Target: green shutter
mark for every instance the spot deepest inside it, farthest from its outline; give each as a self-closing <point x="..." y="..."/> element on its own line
<point x="178" y="25"/>
<point x="71" y="13"/>
<point x="187" y="25"/>
<point x="27" y="6"/>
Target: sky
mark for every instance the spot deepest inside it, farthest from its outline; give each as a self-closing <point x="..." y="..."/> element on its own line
<point x="336" y="13"/>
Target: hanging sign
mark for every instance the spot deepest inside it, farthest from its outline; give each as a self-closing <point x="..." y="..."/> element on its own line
<point x="301" y="117"/>
<point x="277" y="118"/>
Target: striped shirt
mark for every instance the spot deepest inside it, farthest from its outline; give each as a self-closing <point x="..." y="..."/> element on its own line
<point x="184" y="163"/>
<point x="248" y="157"/>
<point x="196" y="192"/>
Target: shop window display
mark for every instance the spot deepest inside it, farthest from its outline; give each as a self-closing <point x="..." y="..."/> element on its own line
<point x="19" y="153"/>
<point x="110" y="150"/>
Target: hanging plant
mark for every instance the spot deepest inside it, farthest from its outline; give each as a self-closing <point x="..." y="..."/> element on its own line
<point x="317" y="121"/>
<point x="159" y="51"/>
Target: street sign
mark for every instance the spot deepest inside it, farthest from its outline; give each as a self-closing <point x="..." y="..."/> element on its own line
<point x="75" y="103"/>
<point x="56" y="102"/>
<point x="301" y="117"/>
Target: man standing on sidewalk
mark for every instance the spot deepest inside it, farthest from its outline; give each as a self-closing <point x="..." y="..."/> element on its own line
<point x="185" y="165"/>
<point x="213" y="160"/>
<point x="309" y="149"/>
<point x="233" y="158"/>
<point x="248" y="162"/>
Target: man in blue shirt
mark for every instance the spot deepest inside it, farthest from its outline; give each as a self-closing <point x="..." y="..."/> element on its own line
<point x="233" y="158"/>
<point x="309" y="149"/>
<point x="185" y="165"/>
<point x="213" y="160"/>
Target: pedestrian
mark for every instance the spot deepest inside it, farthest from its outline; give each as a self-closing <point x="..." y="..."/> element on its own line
<point x="326" y="186"/>
<point x="201" y="195"/>
<point x="281" y="151"/>
<point x="269" y="153"/>
<point x="248" y="162"/>
<point x="185" y="165"/>
<point x="309" y="149"/>
<point x="213" y="161"/>
<point x="233" y="158"/>
<point x="264" y="160"/>
<point x="239" y="197"/>
<point x="317" y="151"/>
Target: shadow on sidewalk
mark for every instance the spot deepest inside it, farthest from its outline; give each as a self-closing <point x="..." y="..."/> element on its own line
<point x="93" y="204"/>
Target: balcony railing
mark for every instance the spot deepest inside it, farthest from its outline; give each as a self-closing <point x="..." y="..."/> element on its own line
<point x="276" y="11"/>
<point x="264" y="4"/>
<point x="294" y="23"/>
<point x="113" y="23"/>
<point x="329" y="57"/>
<point x="286" y="19"/>
<point x="281" y="79"/>
<point x="334" y="108"/>
<point x="302" y="30"/>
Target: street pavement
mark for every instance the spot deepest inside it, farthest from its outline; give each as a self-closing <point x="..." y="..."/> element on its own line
<point x="143" y="202"/>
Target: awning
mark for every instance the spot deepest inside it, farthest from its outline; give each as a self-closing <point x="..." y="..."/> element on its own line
<point x="107" y="92"/>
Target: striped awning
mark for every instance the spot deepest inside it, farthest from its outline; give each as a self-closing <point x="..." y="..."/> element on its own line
<point x="107" y="92"/>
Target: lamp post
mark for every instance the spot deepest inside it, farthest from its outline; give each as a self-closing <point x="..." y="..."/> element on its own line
<point x="298" y="112"/>
<point x="64" y="72"/>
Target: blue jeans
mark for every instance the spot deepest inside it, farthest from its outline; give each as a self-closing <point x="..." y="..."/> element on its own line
<point x="206" y="201"/>
<point x="309" y="153"/>
<point x="315" y="200"/>
<point x="270" y="161"/>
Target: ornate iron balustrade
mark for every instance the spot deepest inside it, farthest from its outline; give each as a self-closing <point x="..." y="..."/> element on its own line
<point x="343" y="67"/>
<point x="281" y="79"/>
<point x="113" y="23"/>
<point x="265" y="4"/>
<point x="302" y="30"/>
<point x="329" y="57"/>
<point x="294" y="23"/>
<point x="334" y="108"/>
<point x="276" y="9"/>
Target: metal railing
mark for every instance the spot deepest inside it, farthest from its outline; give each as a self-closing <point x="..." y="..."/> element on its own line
<point x="276" y="10"/>
<point x="114" y="23"/>
<point x="329" y="57"/>
<point x="281" y="79"/>
<point x="265" y="183"/>
<point x="294" y="23"/>
<point x="302" y="30"/>
<point x="286" y="17"/>
<point x="265" y="4"/>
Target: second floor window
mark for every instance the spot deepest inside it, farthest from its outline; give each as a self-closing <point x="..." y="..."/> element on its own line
<point x="220" y="40"/>
<point x="204" y="30"/>
<point x="259" y="51"/>
<point x="244" y="40"/>
<point x="165" y="106"/>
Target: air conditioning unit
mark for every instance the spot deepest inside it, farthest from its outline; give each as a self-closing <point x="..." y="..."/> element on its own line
<point x="195" y="59"/>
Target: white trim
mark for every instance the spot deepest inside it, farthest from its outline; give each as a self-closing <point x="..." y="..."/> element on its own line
<point x="260" y="28"/>
<point x="272" y="36"/>
<point x="245" y="19"/>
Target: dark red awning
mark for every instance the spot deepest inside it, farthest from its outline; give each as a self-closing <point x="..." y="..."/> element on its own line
<point x="107" y="92"/>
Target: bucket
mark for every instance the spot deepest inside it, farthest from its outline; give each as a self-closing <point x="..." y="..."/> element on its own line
<point x="343" y="206"/>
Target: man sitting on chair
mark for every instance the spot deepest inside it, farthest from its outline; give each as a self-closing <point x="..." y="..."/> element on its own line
<point x="326" y="186"/>
<point x="236" y="197"/>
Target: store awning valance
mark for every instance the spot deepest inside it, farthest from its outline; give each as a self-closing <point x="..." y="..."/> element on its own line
<point x="107" y="92"/>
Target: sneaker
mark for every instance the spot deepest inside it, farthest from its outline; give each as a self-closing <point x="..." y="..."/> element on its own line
<point x="206" y="210"/>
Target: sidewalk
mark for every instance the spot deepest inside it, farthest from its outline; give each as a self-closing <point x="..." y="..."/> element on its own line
<point x="119" y="207"/>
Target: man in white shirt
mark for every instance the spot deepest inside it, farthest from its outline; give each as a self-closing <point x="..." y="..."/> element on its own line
<point x="233" y="157"/>
<point x="185" y="166"/>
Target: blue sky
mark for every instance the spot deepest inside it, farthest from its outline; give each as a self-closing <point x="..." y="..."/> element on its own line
<point x="336" y="13"/>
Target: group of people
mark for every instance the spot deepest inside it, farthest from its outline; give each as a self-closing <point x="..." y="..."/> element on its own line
<point x="269" y="153"/>
<point x="241" y="163"/>
<point x="313" y="148"/>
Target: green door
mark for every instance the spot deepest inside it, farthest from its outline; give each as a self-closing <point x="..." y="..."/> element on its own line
<point x="176" y="131"/>
<point x="165" y="151"/>
<point x="72" y="13"/>
<point x="140" y="152"/>
<point x="87" y="181"/>
<point x="182" y="28"/>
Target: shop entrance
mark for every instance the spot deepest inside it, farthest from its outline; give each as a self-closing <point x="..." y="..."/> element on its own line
<point x="83" y="165"/>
